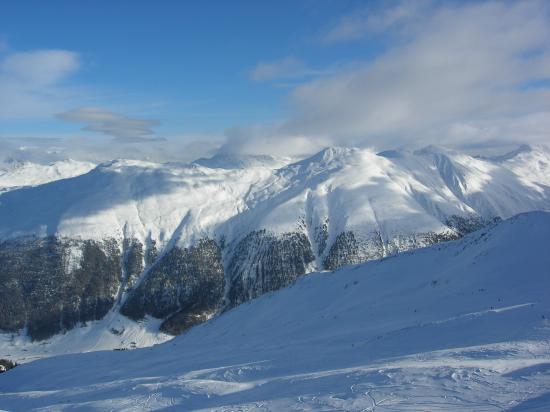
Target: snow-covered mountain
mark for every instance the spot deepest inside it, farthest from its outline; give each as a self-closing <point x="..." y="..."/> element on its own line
<point x="458" y="326"/>
<point x="182" y="242"/>
<point x="15" y="174"/>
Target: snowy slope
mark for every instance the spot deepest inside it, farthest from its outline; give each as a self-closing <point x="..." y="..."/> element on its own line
<point x="458" y="326"/>
<point x="114" y="331"/>
<point x="19" y="174"/>
<point x="393" y="198"/>
<point x="102" y="198"/>
<point x="126" y="198"/>
<point x="181" y="242"/>
<point x="354" y="189"/>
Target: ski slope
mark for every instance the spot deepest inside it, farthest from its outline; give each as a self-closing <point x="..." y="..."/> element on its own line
<point x="458" y="326"/>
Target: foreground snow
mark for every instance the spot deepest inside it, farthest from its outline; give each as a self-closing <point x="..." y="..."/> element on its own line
<point x="458" y="326"/>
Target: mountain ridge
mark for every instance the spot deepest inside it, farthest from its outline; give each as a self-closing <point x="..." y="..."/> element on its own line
<point x="184" y="241"/>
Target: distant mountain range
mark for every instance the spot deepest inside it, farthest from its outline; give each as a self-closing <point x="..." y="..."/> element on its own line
<point x="16" y="174"/>
<point x="175" y="244"/>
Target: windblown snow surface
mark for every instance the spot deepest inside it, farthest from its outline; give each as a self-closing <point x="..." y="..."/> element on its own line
<point x="458" y="326"/>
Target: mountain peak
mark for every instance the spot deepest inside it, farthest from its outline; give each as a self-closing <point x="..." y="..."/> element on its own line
<point x="333" y="155"/>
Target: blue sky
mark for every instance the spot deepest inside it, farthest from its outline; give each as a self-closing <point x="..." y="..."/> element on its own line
<point x="285" y="76"/>
<point x="186" y="64"/>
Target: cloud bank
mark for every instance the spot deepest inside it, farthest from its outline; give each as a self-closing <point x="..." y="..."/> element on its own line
<point x="266" y="139"/>
<point x="454" y="73"/>
<point x="45" y="150"/>
<point x="457" y="73"/>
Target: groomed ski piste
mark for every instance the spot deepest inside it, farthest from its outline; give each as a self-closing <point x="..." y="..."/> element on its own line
<point x="459" y="326"/>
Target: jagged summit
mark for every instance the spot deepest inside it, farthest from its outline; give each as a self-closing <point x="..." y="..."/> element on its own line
<point x="327" y="156"/>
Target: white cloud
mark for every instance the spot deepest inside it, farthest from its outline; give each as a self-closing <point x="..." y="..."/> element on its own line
<point x="98" y="149"/>
<point x="262" y="139"/>
<point x="31" y="83"/>
<point x="287" y="67"/>
<point x="40" y="68"/>
<point x="459" y="76"/>
<point x="97" y="119"/>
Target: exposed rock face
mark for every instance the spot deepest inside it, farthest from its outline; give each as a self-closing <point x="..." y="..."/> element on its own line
<point x="181" y="283"/>
<point x="263" y="262"/>
<point x="49" y="285"/>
